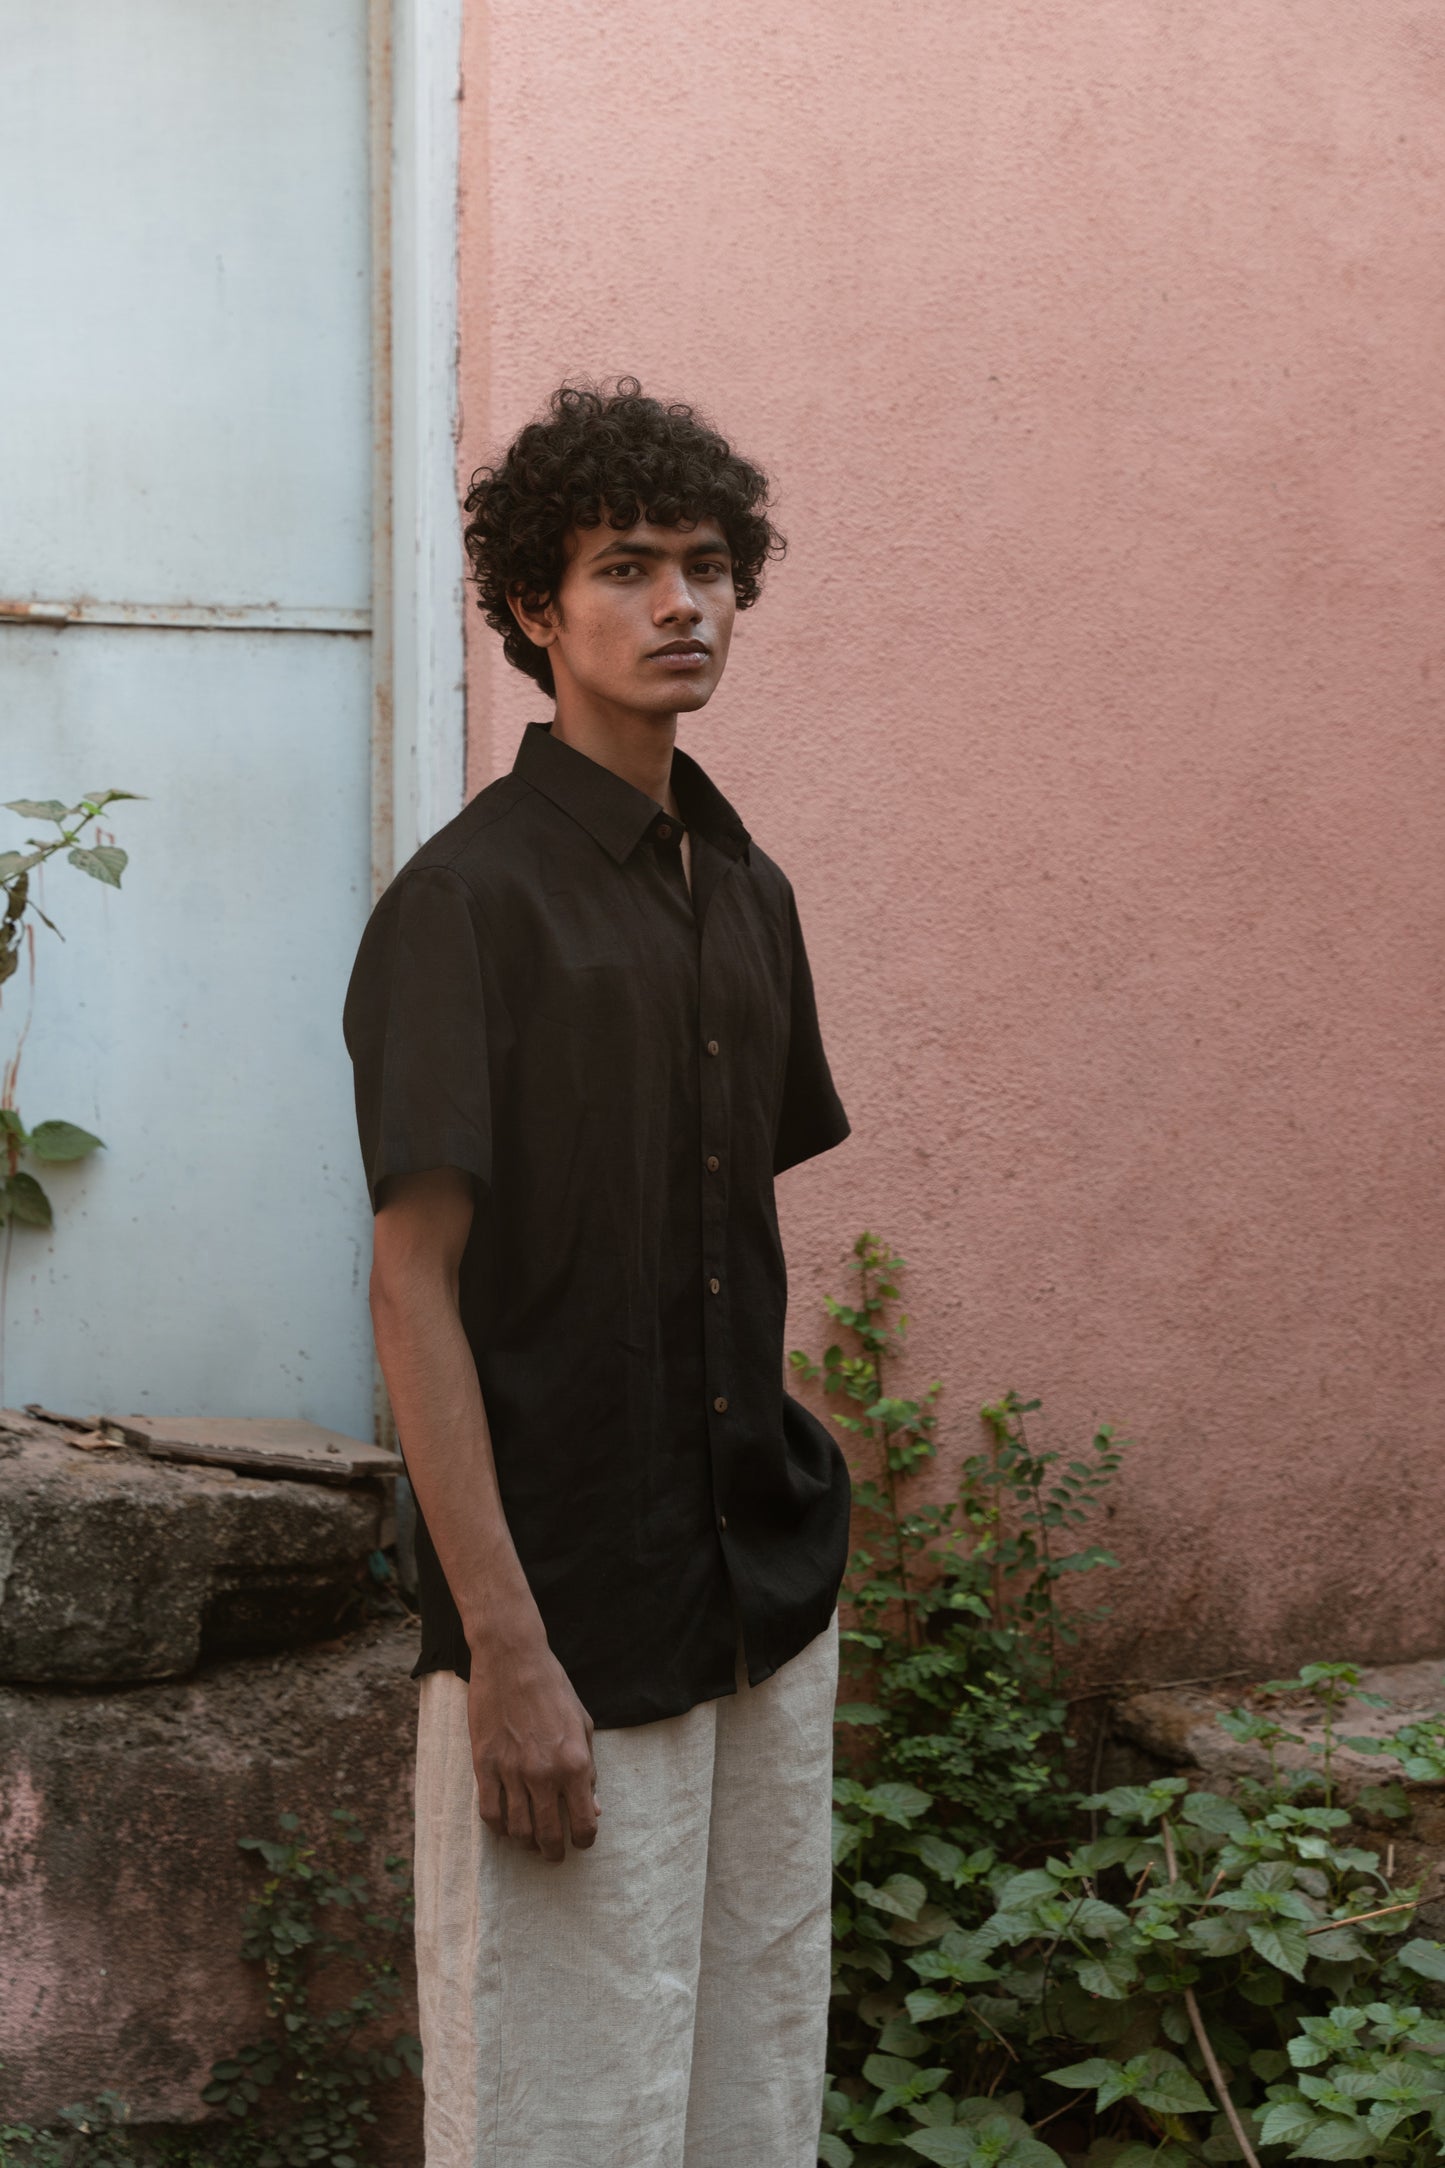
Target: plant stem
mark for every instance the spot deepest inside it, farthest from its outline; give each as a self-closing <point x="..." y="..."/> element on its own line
<point x="1217" y="2079"/>
<point x="1196" y="2022"/>
<point x="1035" y="1483"/>
<point x="1055" y="2113"/>
<point x="877" y="1337"/>
<point x="1327" y="1927"/>
<point x="982" y="2020"/>
<point x="1329" y="1701"/>
<point x="996" y="1512"/>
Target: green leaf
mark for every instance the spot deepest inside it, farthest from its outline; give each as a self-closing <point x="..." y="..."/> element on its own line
<point x="889" y="2070"/>
<point x="1022" y="1890"/>
<point x="931" y="1923"/>
<point x="1114" y="1975"/>
<point x="22" y="1199"/>
<point x="981" y="2145"/>
<point x="41" y="809"/>
<point x="1216" y="1936"/>
<point x="926" y="2003"/>
<point x="833" y="2152"/>
<point x="1281" y="1944"/>
<point x="1426" y="1958"/>
<point x="1338" y="2138"/>
<point x="1138" y="1802"/>
<point x="1091" y="1916"/>
<point x="899" y="2037"/>
<point x="949" y="2148"/>
<point x="859" y="1712"/>
<point x="901" y="1895"/>
<point x="1206" y="1810"/>
<point x="1167" y="2086"/>
<point x="1083" y="2077"/>
<point x="900" y="1803"/>
<point x="939" y="1856"/>
<point x="62" y="1140"/>
<point x="1339" y="1947"/>
<point x="102" y="861"/>
<point x="1319" y="2038"/>
<point x="1275" y="1875"/>
<point x="1287" y="2122"/>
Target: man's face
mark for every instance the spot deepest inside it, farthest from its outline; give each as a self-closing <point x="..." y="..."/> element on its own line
<point x="642" y="616"/>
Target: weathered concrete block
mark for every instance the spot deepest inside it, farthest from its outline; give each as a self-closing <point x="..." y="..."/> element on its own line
<point x="122" y="1888"/>
<point x="118" y="1567"/>
<point x="1176" y="1729"/>
<point x="1179" y="1728"/>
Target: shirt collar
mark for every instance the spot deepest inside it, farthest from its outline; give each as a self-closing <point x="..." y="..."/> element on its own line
<point x="613" y="810"/>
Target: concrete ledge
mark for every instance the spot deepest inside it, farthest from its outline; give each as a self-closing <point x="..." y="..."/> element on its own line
<point x="116" y="1567"/>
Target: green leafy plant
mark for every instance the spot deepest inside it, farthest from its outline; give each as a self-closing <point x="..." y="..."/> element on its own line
<point x="23" y="1200"/>
<point x="21" y="1197"/>
<point x="950" y="1751"/>
<point x="304" y="2093"/>
<point x="1189" y="1977"/>
<point x="1243" y="1974"/>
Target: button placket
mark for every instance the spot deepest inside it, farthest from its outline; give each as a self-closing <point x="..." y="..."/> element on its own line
<point x="713" y="1102"/>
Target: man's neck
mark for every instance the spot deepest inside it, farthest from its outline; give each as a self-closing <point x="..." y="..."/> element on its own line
<point x="636" y="746"/>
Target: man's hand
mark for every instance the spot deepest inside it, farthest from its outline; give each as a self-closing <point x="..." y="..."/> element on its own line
<point x="531" y="1749"/>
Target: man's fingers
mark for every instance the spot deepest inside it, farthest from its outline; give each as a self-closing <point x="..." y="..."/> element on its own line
<point x="547" y="1822"/>
<point x="582" y="1808"/>
<point x="491" y="1804"/>
<point x="518" y="1821"/>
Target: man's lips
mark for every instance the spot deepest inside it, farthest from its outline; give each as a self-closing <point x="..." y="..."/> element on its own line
<point x="680" y="651"/>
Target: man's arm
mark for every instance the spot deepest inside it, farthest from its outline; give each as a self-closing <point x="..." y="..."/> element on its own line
<point x="531" y="1737"/>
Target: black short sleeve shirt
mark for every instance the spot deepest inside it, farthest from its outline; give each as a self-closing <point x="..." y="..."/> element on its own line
<point x="623" y="1068"/>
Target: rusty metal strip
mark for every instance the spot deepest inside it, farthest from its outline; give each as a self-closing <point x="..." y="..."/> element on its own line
<point x="187" y="616"/>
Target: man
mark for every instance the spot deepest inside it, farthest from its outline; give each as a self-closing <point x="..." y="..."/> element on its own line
<point x="584" y="1039"/>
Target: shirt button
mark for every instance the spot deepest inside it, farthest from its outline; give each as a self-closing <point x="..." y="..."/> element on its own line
<point x="712" y="1046"/>
<point x="716" y="1286"/>
<point x="722" y="1521"/>
<point x="721" y="1405"/>
<point x="713" y="1163"/>
<point x="664" y="829"/>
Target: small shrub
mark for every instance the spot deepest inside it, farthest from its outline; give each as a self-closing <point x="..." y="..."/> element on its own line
<point x="951" y="1752"/>
<point x="1204" y="1978"/>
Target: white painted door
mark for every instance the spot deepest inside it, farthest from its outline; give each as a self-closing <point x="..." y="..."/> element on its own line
<point x="185" y="441"/>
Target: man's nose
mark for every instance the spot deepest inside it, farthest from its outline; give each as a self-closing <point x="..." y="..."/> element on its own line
<point x="677" y="600"/>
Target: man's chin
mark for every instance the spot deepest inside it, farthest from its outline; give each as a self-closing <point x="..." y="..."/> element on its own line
<point x="681" y="695"/>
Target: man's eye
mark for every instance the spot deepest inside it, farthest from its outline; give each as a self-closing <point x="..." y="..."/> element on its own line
<point x="619" y="571"/>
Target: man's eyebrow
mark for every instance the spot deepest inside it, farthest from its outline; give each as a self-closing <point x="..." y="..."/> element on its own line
<point x="714" y="546"/>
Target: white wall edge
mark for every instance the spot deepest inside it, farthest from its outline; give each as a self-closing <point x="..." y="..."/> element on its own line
<point x="428" y="660"/>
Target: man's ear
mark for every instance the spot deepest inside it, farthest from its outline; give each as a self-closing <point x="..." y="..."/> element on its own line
<point x="540" y="626"/>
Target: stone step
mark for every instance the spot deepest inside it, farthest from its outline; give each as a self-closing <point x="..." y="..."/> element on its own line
<point x="117" y="1567"/>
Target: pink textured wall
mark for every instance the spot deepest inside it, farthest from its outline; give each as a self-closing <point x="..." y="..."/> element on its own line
<point x="1097" y="353"/>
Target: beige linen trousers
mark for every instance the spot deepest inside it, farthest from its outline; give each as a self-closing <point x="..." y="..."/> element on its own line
<point x="660" y="2001"/>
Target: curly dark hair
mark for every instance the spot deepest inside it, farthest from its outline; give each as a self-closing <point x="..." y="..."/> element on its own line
<point x="610" y="453"/>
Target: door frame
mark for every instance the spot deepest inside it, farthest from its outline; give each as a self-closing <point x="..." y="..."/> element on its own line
<point x="418" y="728"/>
<point x="418" y="705"/>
